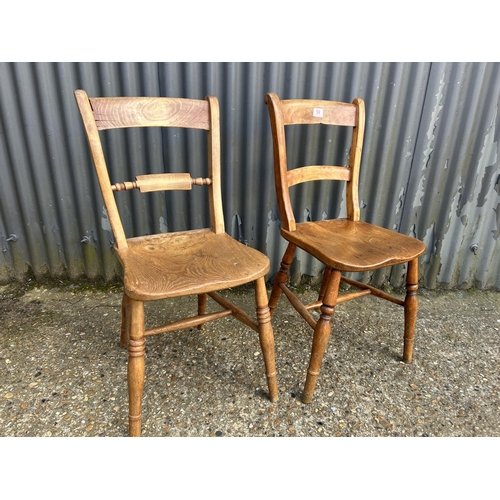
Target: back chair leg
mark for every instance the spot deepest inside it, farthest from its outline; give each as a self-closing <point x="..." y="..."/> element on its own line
<point x="281" y="276"/>
<point x="202" y="304"/>
<point x="410" y="308"/>
<point x="125" y="321"/>
<point x="266" y="337"/>
<point x="321" y="335"/>
<point x="136" y="350"/>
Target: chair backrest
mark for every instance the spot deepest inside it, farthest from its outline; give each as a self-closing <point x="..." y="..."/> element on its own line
<point x="310" y="111"/>
<point x="103" y="113"/>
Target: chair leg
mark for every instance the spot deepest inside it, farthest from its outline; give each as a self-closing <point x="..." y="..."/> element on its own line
<point x="281" y="276"/>
<point x="410" y="308"/>
<point x="202" y="304"/>
<point x="125" y="321"/>
<point x="136" y="349"/>
<point x="266" y="337"/>
<point x="321" y="335"/>
<point x="324" y="282"/>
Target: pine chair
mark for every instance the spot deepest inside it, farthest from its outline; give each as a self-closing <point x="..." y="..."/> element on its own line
<point x="163" y="266"/>
<point x="342" y="245"/>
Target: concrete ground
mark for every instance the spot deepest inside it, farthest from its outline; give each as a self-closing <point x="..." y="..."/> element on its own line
<point x="63" y="373"/>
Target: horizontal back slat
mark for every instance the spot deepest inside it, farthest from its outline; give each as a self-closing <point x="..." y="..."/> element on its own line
<point x="124" y="112"/>
<point x="163" y="182"/>
<point x="317" y="173"/>
<point x="304" y="111"/>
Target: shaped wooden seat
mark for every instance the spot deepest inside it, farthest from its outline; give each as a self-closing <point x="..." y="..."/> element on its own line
<point x="353" y="246"/>
<point x="186" y="263"/>
<point x="342" y="245"/>
<point x="163" y="266"/>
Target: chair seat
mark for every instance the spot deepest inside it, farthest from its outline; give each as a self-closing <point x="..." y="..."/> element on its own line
<point x="354" y="246"/>
<point x="185" y="263"/>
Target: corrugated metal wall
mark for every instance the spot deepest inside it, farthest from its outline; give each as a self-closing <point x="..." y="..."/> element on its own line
<point x="430" y="166"/>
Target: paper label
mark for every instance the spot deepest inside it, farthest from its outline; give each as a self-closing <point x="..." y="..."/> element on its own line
<point x="318" y="112"/>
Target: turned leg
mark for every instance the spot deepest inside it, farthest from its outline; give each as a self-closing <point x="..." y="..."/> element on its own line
<point x="266" y="337"/>
<point x="125" y="321"/>
<point x="202" y="304"/>
<point x="321" y="335"/>
<point x="324" y="283"/>
<point x="410" y="307"/>
<point x="136" y="349"/>
<point x="281" y="276"/>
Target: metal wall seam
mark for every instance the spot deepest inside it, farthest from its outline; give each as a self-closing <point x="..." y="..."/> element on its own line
<point x="430" y="164"/>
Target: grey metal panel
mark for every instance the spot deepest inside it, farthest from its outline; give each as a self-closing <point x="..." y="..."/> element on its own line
<point x="453" y="197"/>
<point x="430" y="166"/>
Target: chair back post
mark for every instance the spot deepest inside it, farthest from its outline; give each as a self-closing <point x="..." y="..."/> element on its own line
<point x="352" y="186"/>
<point x="123" y="112"/>
<point x="92" y="133"/>
<point x="214" y="167"/>
<point x="280" y="161"/>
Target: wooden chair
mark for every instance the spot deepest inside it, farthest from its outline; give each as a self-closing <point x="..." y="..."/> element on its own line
<point x="342" y="245"/>
<point x="163" y="266"/>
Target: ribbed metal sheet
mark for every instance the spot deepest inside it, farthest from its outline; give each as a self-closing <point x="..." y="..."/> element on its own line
<point x="430" y="165"/>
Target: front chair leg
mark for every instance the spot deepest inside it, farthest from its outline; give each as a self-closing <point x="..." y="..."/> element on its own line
<point x="410" y="308"/>
<point x="324" y="283"/>
<point x="321" y="335"/>
<point x="266" y="337"/>
<point x="135" y="370"/>
<point x="281" y="276"/>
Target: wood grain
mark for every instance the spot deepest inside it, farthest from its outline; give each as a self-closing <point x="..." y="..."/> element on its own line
<point x="163" y="182"/>
<point x="215" y="193"/>
<point x="121" y="112"/>
<point x="309" y="111"/>
<point x="101" y="168"/>
<point x="317" y="173"/>
<point x="352" y="195"/>
<point x="189" y="262"/>
<point x="354" y="245"/>
<point x="275" y="110"/>
<point x="266" y="337"/>
<point x="410" y="308"/>
<point x="321" y="336"/>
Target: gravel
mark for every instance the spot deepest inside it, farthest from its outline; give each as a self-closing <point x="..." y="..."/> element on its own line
<point x="63" y="373"/>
